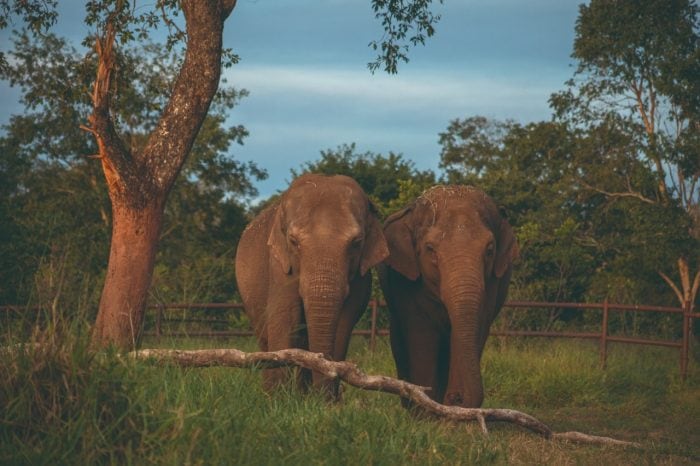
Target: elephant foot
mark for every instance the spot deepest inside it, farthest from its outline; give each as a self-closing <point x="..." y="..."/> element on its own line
<point x="333" y="392"/>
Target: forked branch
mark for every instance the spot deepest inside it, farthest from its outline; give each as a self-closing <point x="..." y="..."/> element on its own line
<point x="351" y="374"/>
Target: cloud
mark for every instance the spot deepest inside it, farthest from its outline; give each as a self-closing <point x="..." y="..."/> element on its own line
<point x="295" y="111"/>
<point x="409" y="90"/>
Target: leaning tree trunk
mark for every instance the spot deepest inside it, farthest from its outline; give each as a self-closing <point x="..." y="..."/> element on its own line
<point x="139" y="183"/>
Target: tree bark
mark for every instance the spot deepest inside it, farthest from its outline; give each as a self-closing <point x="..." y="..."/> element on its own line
<point x="132" y="254"/>
<point x="688" y="291"/>
<point x="139" y="183"/>
<point x="352" y="374"/>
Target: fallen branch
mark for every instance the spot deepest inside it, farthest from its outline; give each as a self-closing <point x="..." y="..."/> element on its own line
<point x="351" y="374"/>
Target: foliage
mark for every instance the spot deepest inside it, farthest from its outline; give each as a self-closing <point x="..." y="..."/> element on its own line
<point x="39" y="15"/>
<point x="121" y="106"/>
<point x="604" y="197"/>
<point x="575" y="244"/>
<point x="635" y="95"/>
<point x="389" y="180"/>
<point x="55" y="203"/>
<point x="638" y="80"/>
<point x="405" y="23"/>
<point x="524" y="168"/>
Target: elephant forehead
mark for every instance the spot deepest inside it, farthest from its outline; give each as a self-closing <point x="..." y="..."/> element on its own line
<point x="315" y="185"/>
<point x="451" y="199"/>
<point x="454" y="229"/>
<point x="451" y="212"/>
<point x="320" y="218"/>
<point x="460" y="215"/>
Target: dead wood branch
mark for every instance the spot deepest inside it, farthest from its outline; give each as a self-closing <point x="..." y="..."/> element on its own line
<point x="351" y="374"/>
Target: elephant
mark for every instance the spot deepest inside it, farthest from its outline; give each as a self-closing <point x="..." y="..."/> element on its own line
<point x="303" y="271"/>
<point x="445" y="280"/>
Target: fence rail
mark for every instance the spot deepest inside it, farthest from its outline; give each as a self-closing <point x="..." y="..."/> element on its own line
<point x="603" y="336"/>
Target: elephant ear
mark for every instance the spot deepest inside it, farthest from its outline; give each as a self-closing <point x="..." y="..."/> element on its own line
<point x="277" y="241"/>
<point x="399" y="237"/>
<point x="507" y="251"/>
<point x="375" y="249"/>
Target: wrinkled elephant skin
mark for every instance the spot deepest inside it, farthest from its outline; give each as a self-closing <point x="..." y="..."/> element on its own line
<point x="303" y="270"/>
<point x="445" y="280"/>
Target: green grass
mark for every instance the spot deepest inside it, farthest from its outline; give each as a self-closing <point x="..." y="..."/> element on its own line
<point x="61" y="405"/>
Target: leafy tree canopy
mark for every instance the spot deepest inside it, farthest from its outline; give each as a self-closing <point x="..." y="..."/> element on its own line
<point x="390" y="180"/>
<point x="635" y="91"/>
<point x="53" y="197"/>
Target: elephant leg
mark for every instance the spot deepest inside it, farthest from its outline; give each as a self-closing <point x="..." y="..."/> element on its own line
<point x="285" y="330"/>
<point x="398" y="346"/>
<point x="416" y="347"/>
<point x="423" y="353"/>
<point x="304" y="379"/>
<point x="443" y="367"/>
<point x="399" y="350"/>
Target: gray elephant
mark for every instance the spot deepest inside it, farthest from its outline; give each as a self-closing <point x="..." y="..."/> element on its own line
<point x="445" y="280"/>
<point x="303" y="270"/>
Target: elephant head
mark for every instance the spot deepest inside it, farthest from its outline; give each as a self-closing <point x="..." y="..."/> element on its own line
<point x="456" y="246"/>
<point x="325" y="237"/>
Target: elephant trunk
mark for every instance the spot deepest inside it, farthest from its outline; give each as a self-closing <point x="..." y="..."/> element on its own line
<point x="463" y="293"/>
<point x="323" y="291"/>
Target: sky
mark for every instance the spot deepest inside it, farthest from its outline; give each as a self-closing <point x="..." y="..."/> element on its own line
<point x="304" y="63"/>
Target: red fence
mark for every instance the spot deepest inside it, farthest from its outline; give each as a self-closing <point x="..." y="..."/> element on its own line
<point x="163" y="315"/>
<point x="602" y="336"/>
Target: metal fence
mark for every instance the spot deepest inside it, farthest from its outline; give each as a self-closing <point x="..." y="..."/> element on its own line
<point x="164" y="317"/>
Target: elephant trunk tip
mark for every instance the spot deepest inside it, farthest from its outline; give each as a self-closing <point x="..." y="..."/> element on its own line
<point x="464" y="400"/>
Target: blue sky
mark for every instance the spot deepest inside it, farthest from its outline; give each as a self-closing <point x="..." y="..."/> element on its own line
<point x="304" y="64"/>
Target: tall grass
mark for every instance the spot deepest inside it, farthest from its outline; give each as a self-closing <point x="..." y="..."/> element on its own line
<point x="60" y="404"/>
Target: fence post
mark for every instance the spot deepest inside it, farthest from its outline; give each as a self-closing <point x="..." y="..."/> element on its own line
<point x="686" y="340"/>
<point x="373" y="327"/>
<point x="604" y="336"/>
<point x="159" y="318"/>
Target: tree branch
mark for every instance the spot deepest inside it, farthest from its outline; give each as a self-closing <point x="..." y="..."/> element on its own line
<point x="193" y="90"/>
<point x="673" y="286"/>
<point x="694" y="289"/>
<point x="227" y="7"/>
<point x="115" y="157"/>
<point x="351" y="374"/>
<point x="684" y="273"/>
<point x="168" y="22"/>
<point x="650" y="127"/>
<point x="639" y="99"/>
<point x="633" y="194"/>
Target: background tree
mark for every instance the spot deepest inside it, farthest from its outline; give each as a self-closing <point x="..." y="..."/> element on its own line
<point x="524" y="168"/>
<point x="575" y="244"/>
<point x="55" y="208"/>
<point x="139" y="178"/>
<point x="636" y="83"/>
<point x="389" y="180"/>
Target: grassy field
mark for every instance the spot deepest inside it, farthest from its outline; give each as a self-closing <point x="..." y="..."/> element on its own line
<point x="60" y="405"/>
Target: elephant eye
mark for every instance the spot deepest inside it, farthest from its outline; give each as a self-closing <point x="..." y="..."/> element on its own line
<point x="294" y="241"/>
<point x="430" y="247"/>
<point x="356" y="242"/>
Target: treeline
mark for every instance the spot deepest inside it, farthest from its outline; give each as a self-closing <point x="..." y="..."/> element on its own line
<point x="604" y="196"/>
